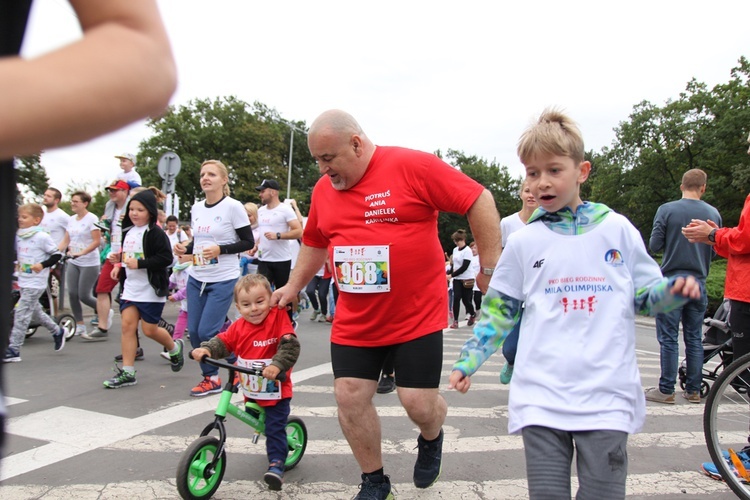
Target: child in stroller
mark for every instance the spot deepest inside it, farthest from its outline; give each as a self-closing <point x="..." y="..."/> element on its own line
<point x="717" y="348"/>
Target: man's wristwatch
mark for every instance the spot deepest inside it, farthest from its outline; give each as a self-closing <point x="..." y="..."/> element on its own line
<point x="712" y="236"/>
<point x="488" y="271"/>
<point x="278" y="236"/>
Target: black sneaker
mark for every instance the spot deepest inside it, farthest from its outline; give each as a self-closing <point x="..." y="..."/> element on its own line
<point x="387" y="384"/>
<point x="429" y="461"/>
<point x="178" y="359"/>
<point x="59" y="338"/>
<point x="370" y="490"/>
<point x="169" y="327"/>
<point x="138" y="355"/>
<point x="274" y="475"/>
<point x="121" y="379"/>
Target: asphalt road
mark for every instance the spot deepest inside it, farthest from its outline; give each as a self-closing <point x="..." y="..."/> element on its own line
<point x="71" y="438"/>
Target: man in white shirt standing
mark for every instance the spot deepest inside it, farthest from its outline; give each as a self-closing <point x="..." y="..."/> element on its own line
<point x="128" y="174"/>
<point x="277" y="222"/>
<point x="55" y="220"/>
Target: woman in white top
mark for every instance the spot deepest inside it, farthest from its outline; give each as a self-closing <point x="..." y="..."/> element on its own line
<point x="221" y="232"/>
<point x="463" y="279"/>
<point x="509" y="225"/>
<point x="81" y="240"/>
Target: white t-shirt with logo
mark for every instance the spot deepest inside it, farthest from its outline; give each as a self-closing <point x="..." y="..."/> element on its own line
<point x="131" y="176"/>
<point x="216" y="225"/>
<point x="79" y="232"/>
<point x="55" y="223"/>
<point x="576" y="366"/>
<point x="30" y="251"/>
<point x="509" y="225"/>
<point x="137" y="288"/>
<point x="459" y="255"/>
<point x="275" y="220"/>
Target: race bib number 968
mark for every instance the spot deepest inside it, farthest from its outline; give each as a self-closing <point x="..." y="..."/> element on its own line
<point x="362" y="269"/>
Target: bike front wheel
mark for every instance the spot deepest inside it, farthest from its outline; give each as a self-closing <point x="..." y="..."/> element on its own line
<point x="296" y="436"/>
<point x="196" y="477"/>
<point x="726" y="424"/>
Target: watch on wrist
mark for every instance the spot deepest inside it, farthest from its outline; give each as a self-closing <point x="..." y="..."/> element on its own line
<point x="278" y="236"/>
<point x="488" y="271"/>
<point x="712" y="236"/>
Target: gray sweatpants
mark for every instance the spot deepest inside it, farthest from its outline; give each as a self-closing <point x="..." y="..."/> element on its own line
<point x="80" y="283"/>
<point x="601" y="462"/>
<point x="27" y="310"/>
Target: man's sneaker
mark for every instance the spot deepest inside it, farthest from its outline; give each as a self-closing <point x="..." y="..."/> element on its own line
<point x="370" y="490"/>
<point x="121" y="379"/>
<point x="274" y="474"/>
<point x="386" y="384"/>
<point x="110" y="317"/>
<point x="206" y="387"/>
<point x="315" y="315"/>
<point x="178" y="359"/>
<point x="138" y="355"/>
<point x="655" y="395"/>
<point x="59" y="338"/>
<point x="12" y="355"/>
<point x="96" y="335"/>
<point x="693" y="397"/>
<point x="429" y="461"/>
<point x="454" y="325"/>
<point x="506" y="373"/>
<point x="169" y="327"/>
<point x="472" y="320"/>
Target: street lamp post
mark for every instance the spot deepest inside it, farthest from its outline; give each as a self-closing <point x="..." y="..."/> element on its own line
<point x="292" y="128"/>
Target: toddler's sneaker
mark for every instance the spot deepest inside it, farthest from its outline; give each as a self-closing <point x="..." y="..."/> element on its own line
<point x="178" y="359"/>
<point x="429" y="461"/>
<point x="12" y="355"/>
<point x="59" y="338"/>
<point x="374" y="490"/>
<point x="506" y="373"/>
<point x="121" y="379"/>
<point x="274" y="475"/>
<point x="206" y="387"/>
<point x="654" y="394"/>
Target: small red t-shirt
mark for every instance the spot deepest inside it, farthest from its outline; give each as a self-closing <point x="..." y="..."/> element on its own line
<point x="396" y="203"/>
<point x="251" y="342"/>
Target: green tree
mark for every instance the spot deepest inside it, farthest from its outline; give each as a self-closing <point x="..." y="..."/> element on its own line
<point x="703" y="128"/>
<point x="251" y="140"/>
<point x="32" y="177"/>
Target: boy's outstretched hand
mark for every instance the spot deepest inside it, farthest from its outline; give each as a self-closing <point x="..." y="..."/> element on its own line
<point x="459" y="381"/>
<point x="687" y="287"/>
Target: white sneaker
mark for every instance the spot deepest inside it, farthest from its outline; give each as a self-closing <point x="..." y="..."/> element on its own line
<point x="110" y="315"/>
<point x="80" y="329"/>
<point x="321" y="318"/>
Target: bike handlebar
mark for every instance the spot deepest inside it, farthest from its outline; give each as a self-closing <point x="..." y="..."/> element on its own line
<point x="281" y="377"/>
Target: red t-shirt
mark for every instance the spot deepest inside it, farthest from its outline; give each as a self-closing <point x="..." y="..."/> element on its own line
<point x="260" y="343"/>
<point x="396" y="203"/>
<point x="733" y="243"/>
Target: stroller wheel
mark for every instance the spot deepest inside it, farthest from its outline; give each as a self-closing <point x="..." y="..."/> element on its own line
<point x="30" y="331"/>
<point x="68" y="322"/>
<point x="704" y="389"/>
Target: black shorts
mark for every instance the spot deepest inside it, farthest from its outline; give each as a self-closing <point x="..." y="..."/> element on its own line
<point x="418" y="363"/>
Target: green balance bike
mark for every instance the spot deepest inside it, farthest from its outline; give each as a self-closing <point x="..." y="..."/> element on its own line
<point x="202" y="465"/>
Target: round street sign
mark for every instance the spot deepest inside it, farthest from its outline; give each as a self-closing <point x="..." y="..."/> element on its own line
<point x="169" y="166"/>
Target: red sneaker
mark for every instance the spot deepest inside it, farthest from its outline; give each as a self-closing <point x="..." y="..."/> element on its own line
<point x="206" y="387"/>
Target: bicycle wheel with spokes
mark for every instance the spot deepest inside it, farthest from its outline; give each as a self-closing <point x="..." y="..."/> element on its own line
<point x="726" y="424"/>
<point x="196" y="478"/>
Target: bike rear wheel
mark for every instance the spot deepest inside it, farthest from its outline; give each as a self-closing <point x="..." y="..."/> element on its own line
<point x="196" y="479"/>
<point x="296" y="436"/>
<point x="726" y="424"/>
